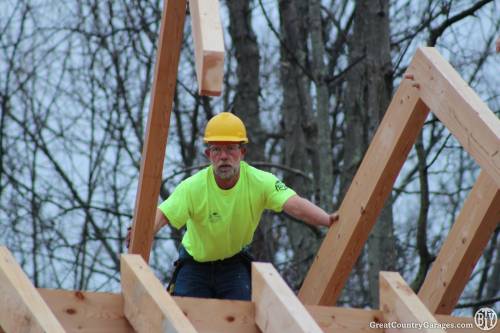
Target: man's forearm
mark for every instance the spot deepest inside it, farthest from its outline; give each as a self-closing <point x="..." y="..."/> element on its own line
<point x="303" y="209"/>
<point x="160" y="221"/>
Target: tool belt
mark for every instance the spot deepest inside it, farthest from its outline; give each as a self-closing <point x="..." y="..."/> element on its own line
<point x="243" y="256"/>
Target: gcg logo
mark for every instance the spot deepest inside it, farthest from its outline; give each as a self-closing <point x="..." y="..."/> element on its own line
<point x="280" y="186"/>
<point x="485" y="319"/>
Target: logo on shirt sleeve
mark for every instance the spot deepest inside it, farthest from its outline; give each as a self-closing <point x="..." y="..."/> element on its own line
<point x="280" y="186"/>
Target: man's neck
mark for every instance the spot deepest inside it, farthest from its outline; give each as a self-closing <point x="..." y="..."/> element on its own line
<point x="226" y="184"/>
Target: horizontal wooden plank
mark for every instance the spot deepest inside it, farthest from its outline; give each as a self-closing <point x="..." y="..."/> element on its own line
<point x="219" y="316"/>
<point x="206" y="315"/>
<point x="147" y="305"/>
<point x="346" y="320"/>
<point x="87" y="312"/>
<point x="22" y="309"/>
<point x="461" y="110"/>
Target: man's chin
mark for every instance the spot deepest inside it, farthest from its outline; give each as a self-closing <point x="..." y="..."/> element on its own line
<point x="226" y="174"/>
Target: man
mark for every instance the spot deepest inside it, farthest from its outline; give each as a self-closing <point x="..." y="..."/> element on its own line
<point x="221" y="206"/>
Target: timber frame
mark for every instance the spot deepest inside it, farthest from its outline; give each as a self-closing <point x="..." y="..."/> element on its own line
<point x="429" y="85"/>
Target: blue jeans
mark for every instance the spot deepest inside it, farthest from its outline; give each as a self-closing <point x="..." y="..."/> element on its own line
<point x="225" y="279"/>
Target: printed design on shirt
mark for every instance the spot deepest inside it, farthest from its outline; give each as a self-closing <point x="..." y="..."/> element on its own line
<point x="280" y="186"/>
<point x="214" y="217"/>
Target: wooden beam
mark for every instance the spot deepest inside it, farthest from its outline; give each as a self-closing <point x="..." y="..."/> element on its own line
<point x="460" y="109"/>
<point x="22" y="309"/>
<point x="208" y="45"/>
<point x="153" y="154"/>
<point x="464" y="245"/>
<point x="365" y="198"/>
<point x="87" y="312"/>
<point x="103" y="312"/>
<point x="219" y="316"/>
<point x="400" y="305"/>
<point x="277" y="309"/>
<point x="345" y="320"/>
<point x="147" y="305"/>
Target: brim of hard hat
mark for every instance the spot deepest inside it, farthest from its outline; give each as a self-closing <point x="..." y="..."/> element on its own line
<point x="225" y="139"/>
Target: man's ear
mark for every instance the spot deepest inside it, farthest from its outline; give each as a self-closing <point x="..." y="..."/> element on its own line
<point x="207" y="152"/>
<point x="243" y="150"/>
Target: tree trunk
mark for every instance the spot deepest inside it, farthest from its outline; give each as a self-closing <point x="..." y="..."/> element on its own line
<point x="368" y="95"/>
<point x="246" y="102"/>
<point x="325" y="179"/>
<point x="299" y="132"/>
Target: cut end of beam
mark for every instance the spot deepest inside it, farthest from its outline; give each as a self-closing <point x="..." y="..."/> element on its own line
<point x="277" y="309"/>
<point x="147" y="305"/>
<point x="209" y="46"/>
<point x="399" y="304"/>
<point x="22" y="309"/>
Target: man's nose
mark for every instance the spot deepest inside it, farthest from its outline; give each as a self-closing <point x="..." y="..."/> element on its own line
<point x="224" y="154"/>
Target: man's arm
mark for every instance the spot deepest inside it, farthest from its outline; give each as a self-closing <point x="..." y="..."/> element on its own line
<point x="303" y="209"/>
<point x="160" y="221"/>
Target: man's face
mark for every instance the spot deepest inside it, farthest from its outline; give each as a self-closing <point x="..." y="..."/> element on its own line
<point x="225" y="158"/>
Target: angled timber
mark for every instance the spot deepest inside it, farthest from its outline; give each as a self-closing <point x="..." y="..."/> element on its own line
<point x="147" y="305"/>
<point x="365" y="198"/>
<point x="401" y="305"/>
<point x="22" y="309"/>
<point x="277" y="309"/>
<point x="460" y="109"/>
<point x="208" y="45"/>
<point x="464" y="245"/>
<point x="153" y="154"/>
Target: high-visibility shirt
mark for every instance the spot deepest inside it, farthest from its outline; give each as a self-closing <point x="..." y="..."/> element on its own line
<point x="219" y="223"/>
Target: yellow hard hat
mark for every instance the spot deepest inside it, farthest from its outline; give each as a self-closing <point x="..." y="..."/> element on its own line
<point x="225" y="127"/>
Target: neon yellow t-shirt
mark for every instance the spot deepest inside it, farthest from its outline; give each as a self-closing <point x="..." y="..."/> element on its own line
<point x="221" y="222"/>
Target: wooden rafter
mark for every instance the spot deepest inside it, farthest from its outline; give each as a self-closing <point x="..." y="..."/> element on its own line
<point x="400" y="305"/>
<point x="365" y="197"/>
<point x="208" y="45"/>
<point x="147" y="305"/>
<point x="433" y="84"/>
<point x="460" y="109"/>
<point x="22" y="309"/>
<point x="464" y="245"/>
<point x="277" y="309"/>
<point x="153" y="154"/>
